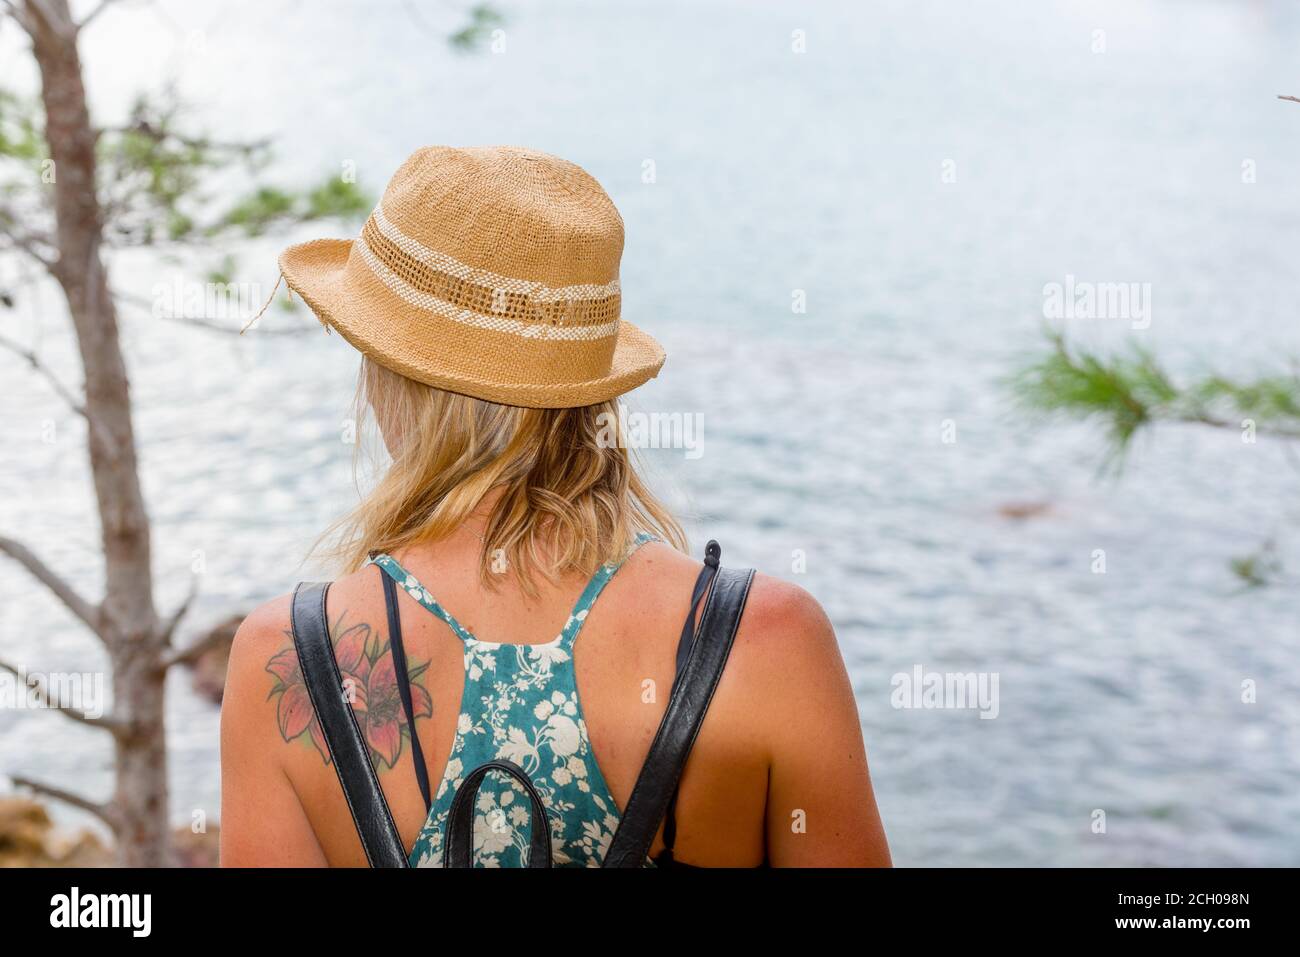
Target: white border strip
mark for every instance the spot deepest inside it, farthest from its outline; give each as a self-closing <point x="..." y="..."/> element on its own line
<point x="526" y="330"/>
<point x="523" y="287"/>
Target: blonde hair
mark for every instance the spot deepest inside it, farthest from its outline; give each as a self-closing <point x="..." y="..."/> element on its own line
<point x="570" y="499"/>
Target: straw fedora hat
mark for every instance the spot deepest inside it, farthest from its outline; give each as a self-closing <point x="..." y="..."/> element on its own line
<point x="489" y="271"/>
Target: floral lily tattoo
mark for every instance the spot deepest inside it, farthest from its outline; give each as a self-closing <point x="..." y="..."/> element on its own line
<point x="365" y="662"/>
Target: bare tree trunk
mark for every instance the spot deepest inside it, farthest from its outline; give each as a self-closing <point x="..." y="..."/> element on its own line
<point x="128" y="622"/>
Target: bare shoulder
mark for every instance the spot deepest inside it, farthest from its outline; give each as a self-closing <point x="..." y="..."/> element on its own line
<point x="786" y="661"/>
<point x="266" y="621"/>
<point x="785" y="668"/>
<point x="785" y="653"/>
<point x="784" y="629"/>
<point x="263" y="641"/>
<point x="777" y="606"/>
<point x="264" y="633"/>
<point x="780" y="617"/>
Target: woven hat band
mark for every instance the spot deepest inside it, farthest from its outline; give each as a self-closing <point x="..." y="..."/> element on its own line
<point x="471" y="344"/>
<point x="503" y="303"/>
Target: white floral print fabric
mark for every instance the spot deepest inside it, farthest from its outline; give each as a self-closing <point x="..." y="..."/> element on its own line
<point x="520" y="703"/>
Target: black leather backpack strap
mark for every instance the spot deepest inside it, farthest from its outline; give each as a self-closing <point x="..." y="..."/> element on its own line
<point x="459" y="846"/>
<point x="350" y="754"/>
<point x="692" y="692"/>
<point x="712" y="557"/>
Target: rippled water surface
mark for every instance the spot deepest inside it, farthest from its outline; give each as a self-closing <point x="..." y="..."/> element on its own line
<point x="821" y="172"/>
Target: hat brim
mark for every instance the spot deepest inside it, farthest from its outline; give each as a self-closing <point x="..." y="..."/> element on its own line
<point x="374" y="321"/>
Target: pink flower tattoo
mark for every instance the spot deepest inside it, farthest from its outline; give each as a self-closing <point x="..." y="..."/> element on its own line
<point x="370" y="683"/>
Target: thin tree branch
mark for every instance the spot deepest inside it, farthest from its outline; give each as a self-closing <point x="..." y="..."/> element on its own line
<point x="150" y="131"/>
<point x="1260" y="428"/>
<point x="59" y="21"/>
<point x="67" y="710"/>
<point x="196" y="651"/>
<point x="27" y="242"/>
<point x="1293" y="99"/>
<point x="210" y="325"/>
<point x="86" y="20"/>
<point x="30" y="357"/>
<point x="19" y="15"/>
<point x="64" y="393"/>
<point x="168" y="628"/>
<point x="101" y="811"/>
<point x="63" y="590"/>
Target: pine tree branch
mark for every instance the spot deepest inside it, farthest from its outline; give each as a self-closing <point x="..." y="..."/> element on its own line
<point x="1199" y="418"/>
<point x="1133" y="391"/>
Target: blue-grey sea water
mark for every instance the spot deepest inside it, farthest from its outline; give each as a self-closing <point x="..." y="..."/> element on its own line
<point x="916" y="176"/>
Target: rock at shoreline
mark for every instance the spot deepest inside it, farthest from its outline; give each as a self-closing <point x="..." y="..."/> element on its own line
<point x="196" y="850"/>
<point x="1020" y="511"/>
<point x="28" y="839"/>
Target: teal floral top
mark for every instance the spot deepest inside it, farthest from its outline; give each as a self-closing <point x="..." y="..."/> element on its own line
<point x="520" y="703"/>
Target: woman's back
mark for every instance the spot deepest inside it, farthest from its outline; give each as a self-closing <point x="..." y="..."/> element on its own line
<point x="484" y="295"/>
<point x="772" y="775"/>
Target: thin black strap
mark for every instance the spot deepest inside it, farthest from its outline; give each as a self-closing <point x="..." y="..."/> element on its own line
<point x="460" y="818"/>
<point x="681" y="722"/>
<point x="348" y="750"/>
<point x="712" y="555"/>
<point x="404" y="686"/>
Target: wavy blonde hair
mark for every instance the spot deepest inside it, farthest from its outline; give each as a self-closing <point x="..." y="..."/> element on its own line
<point x="569" y="500"/>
